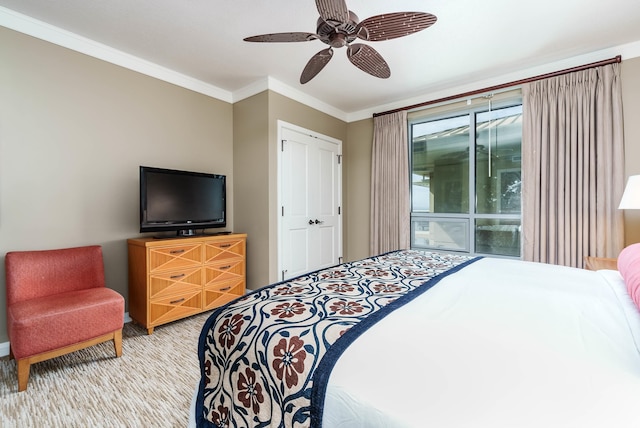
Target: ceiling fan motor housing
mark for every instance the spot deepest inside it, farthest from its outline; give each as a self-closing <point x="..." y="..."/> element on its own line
<point x="338" y="34"/>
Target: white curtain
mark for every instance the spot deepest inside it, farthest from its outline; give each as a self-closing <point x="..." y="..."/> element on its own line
<point x="390" y="210"/>
<point x="573" y="159"/>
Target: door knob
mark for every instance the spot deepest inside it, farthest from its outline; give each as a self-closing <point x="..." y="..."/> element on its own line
<point x="319" y="222"/>
<point x="310" y="221"/>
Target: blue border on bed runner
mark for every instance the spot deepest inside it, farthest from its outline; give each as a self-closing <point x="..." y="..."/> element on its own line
<point x="331" y="356"/>
<point x="327" y="362"/>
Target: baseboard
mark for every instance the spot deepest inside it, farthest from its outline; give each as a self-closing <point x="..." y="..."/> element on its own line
<point x="4" y="349"/>
<point x="4" y="346"/>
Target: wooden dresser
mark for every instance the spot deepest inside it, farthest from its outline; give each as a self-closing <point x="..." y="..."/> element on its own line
<point x="174" y="278"/>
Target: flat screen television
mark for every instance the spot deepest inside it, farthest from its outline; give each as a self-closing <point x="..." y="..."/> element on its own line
<point x="181" y="201"/>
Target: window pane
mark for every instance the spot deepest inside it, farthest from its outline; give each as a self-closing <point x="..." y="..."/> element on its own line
<point x="440" y="166"/>
<point x="500" y="237"/>
<point x="498" y="161"/>
<point x="466" y="178"/>
<point x="443" y="234"/>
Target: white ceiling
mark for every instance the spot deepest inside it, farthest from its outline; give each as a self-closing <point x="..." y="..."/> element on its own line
<point x="472" y="42"/>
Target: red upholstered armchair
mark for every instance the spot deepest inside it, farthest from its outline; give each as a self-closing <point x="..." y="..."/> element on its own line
<point x="57" y="303"/>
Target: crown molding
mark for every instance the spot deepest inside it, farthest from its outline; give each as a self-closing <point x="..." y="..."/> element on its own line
<point x="248" y="91"/>
<point x="41" y="30"/>
<point x="52" y="34"/>
<point x="291" y="93"/>
<point x="295" y="94"/>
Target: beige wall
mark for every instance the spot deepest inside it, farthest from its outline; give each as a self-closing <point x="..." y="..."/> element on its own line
<point x="73" y="131"/>
<point x="357" y="170"/>
<point x="251" y="163"/>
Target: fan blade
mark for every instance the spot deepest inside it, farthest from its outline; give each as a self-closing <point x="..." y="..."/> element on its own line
<point x="393" y="25"/>
<point x="282" y="37"/>
<point x="333" y="11"/>
<point x="368" y="60"/>
<point x="315" y="64"/>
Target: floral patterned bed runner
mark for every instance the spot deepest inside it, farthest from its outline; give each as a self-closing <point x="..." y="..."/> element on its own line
<point x="266" y="358"/>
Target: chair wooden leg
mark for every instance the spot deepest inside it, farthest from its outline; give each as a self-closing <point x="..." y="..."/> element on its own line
<point x="24" y="367"/>
<point x="117" y="342"/>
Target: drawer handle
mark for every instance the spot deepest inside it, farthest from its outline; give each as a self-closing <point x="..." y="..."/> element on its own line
<point x="176" y="276"/>
<point x="176" y="251"/>
<point x="225" y="288"/>
<point x="225" y="267"/>
<point x="174" y="302"/>
<point x="225" y="245"/>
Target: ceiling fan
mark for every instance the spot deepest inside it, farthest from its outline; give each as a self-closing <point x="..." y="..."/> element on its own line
<point x="339" y="27"/>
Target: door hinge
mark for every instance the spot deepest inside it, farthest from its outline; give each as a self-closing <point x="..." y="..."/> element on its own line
<point x="339" y="159"/>
<point x="282" y="145"/>
<point x="340" y="259"/>
<point x="282" y="211"/>
<point x="283" y="272"/>
<point x="339" y="210"/>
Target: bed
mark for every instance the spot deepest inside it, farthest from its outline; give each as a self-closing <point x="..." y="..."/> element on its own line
<point x="419" y="339"/>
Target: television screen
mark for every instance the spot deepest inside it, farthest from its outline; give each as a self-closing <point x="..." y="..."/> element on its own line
<point x="182" y="201"/>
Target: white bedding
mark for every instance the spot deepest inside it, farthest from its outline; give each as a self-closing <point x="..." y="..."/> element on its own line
<point x="501" y="343"/>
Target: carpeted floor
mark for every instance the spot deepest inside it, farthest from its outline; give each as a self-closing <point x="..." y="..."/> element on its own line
<point x="151" y="385"/>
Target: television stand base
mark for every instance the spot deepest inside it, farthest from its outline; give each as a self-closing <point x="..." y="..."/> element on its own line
<point x="192" y="233"/>
<point x="186" y="232"/>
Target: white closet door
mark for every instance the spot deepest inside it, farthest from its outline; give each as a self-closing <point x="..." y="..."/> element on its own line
<point x="310" y="195"/>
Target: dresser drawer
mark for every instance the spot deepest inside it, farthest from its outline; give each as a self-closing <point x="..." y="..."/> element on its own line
<point x="222" y="271"/>
<point x="174" y="307"/>
<point x="228" y="286"/>
<point x="163" y="284"/>
<point x="175" y="257"/>
<point x="224" y="250"/>
<point x="218" y="296"/>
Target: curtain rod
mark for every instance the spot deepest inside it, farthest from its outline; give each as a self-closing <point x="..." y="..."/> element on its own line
<point x="613" y="60"/>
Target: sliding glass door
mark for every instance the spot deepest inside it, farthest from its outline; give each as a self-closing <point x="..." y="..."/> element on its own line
<point x="466" y="175"/>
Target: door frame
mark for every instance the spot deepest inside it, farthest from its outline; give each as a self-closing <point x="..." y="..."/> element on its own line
<point x="281" y="125"/>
